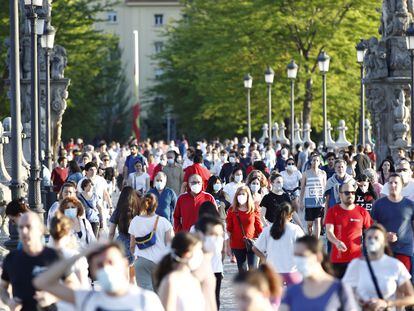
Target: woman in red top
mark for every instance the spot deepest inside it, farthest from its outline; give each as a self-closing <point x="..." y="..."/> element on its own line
<point x="243" y="213"/>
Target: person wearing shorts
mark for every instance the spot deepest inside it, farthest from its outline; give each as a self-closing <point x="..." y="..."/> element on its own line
<point x="312" y="195"/>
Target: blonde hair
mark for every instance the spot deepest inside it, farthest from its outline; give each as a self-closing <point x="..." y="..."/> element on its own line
<point x="250" y="202"/>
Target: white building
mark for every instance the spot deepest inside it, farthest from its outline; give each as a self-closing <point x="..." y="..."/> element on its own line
<point x="148" y="18"/>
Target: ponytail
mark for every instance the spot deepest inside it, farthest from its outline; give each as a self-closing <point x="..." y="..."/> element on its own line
<point x="148" y="204"/>
<point x="283" y="211"/>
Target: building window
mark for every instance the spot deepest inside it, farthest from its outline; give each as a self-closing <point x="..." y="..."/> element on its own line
<point x="158" y="47"/>
<point x="158" y="73"/>
<point x="159" y="19"/>
<point x="112" y="17"/>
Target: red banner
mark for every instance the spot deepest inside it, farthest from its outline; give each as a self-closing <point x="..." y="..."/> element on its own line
<point x="136" y="110"/>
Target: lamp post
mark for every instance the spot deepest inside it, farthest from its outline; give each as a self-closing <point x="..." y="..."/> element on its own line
<point x="16" y="183"/>
<point x="292" y="71"/>
<point x="47" y="42"/>
<point x="248" y="82"/>
<point x="323" y="62"/>
<point x="410" y="46"/>
<point x="361" y="49"/>
<point x="269" y="76"/>
<point x="35" y="202"/>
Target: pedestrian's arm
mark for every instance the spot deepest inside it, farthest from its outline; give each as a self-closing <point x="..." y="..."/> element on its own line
<point x="147" y="184"/>
<point x="49" y="280"/>
<point x="112" y="228"/>
<point x="4" y="293"/>
<point x="183" y="187"/>
<point x="259" y="254"/>
<point x="108" y="200"/>
<point x="132" y="243"/>
<point x="302" y="190"/>
<point x="172" y="205"/>
<point x="405" y="291"/>
<point x="333" y="239"/>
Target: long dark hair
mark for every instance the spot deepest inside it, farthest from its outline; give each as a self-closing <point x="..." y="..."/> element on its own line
<point x="392" y="168"/>
<point x="127" y="208"/>
<point x="211" y="182"/>
<point x="74" y="167"/>
<point x="181" y="244"/>
<point x="284" y="211"/>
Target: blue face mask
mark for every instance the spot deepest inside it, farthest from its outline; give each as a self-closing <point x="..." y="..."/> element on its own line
<point x="71" y="212"/>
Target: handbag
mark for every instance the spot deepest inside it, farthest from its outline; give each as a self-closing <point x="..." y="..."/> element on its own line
<point x="148" y="240"/>
<point x="249" y="243"/>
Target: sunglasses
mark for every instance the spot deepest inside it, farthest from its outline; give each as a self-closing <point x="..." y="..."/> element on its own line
<point x="290" y="164"/>
<point x="348" y="192"/>
<point x="402" y="170"/>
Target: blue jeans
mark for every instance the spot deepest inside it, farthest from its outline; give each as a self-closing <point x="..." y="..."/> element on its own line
<point x="242" y="255"/>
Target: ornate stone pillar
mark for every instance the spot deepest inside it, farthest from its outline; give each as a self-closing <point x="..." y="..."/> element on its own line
<point x="387" y="79"/>
<point x="342" y="142"/>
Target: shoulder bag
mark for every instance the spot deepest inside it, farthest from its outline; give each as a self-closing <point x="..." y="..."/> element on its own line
<point x="247" y="241"/>
<point x="148" y="240"/>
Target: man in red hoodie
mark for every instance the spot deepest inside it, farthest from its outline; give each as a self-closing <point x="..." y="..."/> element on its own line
<point x="188" y="204"/>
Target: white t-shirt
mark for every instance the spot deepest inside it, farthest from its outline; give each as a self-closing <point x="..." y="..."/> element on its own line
<point x="141" y="226"/>
<point x="137" y="299"/>
<point x="99" y="186"/>
<point x="390" y="273"/>
<point x="279" y="253"/>
<point x="407" y="191"/>
<point x="138" y="182"/>
<point x="291" y="182"/>
<point x="231" y="189"/>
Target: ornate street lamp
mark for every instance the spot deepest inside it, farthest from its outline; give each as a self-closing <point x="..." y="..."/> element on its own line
<point x="35" y="202"/>
<point x="269" y="76"/>
<point x="323" y="62"/>
<point x="47" y="42"/>
<point x="292" y="71"/>
<point x="410" y="46"/>
<point x="361" y="50"/>
<point x="248" y="82"/>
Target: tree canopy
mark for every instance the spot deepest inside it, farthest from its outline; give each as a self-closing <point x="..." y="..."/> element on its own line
<point x="97" y="100"/>
<point x="217" y="42"/>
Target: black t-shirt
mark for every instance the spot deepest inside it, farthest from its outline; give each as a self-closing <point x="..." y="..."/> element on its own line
<point x="366" y="200"/>
<point x="271" y="202"/>
<point x="19" y="269"/>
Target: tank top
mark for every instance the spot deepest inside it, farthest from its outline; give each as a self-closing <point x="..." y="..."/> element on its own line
<point x="314" y="190"/>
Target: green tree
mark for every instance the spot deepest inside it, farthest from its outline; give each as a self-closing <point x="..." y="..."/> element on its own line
<point x="92" y="56"/>
<point x="218" y="42"/>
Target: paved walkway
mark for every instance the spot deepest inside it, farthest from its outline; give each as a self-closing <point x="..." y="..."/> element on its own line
<point x="227" y="296"/>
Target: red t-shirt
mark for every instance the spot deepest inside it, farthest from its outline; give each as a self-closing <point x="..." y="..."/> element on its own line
<point x="186" y="209"/>
<point x="59" y="176"/>
<point x="196" y="168"/>
<point x="348" y="227"/>
<point x="252" y="226"/>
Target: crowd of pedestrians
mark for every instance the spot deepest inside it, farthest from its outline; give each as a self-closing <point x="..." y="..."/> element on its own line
<point x="148" y="225"/>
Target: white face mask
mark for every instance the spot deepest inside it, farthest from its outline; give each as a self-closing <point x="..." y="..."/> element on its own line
<point x="304" y="265"/>
<point x="159" y="185"/>
<point x="277" y="187"/>
<point x="291" y="168"/>
<point x="254" y="188"/>
<point x="71" y="212"/>
<point x="405" y="176"/>
<point x="373" y="246"/>
<point x="213" y="244"/>
<point x="242" y="199"/>
<point x="238" y="178"/>
<point x="217" y="187"/>
<point x="111" y="279"/>
<point x="196" y="188"/>
<point x="170" y="161"/>
<point x="196" y="260"/>
<point x="232" y="160"/>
